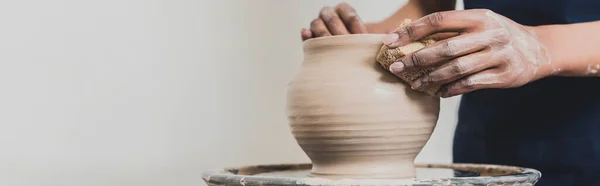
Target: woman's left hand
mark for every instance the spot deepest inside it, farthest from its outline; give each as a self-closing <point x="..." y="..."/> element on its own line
<point x="487" y="51"/>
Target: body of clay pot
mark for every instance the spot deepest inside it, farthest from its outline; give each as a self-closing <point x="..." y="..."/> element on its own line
<point x="353" y="118"/>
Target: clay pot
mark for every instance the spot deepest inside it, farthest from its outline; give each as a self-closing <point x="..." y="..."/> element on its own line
<point x="353" y="118"/>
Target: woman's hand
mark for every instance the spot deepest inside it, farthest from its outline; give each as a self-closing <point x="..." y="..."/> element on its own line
<point x="340" y="20"/>
<point x="489" y="51"/>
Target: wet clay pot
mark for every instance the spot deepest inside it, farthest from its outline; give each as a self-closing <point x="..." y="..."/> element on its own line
<point x="353" y="118"/>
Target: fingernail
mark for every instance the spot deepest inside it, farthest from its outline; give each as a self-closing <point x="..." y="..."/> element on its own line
<point x="416" y="84"/>
<point x="397" y="67"/>
<point x="305" y="31"/>
<point x="390" y="38"/>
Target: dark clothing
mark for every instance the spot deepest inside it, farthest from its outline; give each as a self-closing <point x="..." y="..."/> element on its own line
<point x="552" y="125"/>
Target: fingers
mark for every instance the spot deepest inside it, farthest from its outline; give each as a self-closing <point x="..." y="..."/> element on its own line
<point x="486" y="79"/>
<point x="447" y="49"/>
<point x="318" y="28"/>
<point x="350" y="18"/>
<point x="339" y="21"/>
<point x="449" y="21"/>
<point x="306" y="34"/>
<point x="454" y="70"/>
<point x="333" y="22"/>
<point x="443" y="36"/>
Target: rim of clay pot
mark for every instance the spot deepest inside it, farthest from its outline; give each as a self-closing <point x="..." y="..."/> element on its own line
<point x="488" y="175"/>
<point x="342" y="38"/>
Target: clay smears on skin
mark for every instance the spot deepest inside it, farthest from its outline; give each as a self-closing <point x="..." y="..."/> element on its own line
<point x="592" y="69"/>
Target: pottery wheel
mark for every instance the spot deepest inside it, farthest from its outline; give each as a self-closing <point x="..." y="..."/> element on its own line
<point x="427" y="175"/>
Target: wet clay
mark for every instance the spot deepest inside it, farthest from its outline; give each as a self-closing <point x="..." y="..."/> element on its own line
<point x="353" y="118"/>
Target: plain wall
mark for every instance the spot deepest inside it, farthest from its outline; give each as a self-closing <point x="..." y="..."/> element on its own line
<point x="153" y="92"/>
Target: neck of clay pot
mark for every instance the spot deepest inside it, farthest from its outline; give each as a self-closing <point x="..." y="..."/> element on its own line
<point x="339" y="49"/>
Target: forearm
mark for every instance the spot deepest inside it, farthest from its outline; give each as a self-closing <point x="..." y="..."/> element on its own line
<point x="574" y="49"/>
<point x="414" y="9"/>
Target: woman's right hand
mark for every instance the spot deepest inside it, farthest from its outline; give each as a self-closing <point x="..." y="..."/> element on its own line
<point x="340" y="20"/>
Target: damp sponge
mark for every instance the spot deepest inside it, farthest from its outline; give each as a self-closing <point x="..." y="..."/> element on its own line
<point x="387" y="56"/>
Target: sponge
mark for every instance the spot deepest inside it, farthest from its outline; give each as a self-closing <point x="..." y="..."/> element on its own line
<point x="387" y="56"/>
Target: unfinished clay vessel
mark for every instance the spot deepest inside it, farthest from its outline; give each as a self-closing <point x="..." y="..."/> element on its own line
<point x="352" y="117"/>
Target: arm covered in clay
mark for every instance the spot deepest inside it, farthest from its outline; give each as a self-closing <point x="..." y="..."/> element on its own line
<point x="489" y="50"/>
<point x="573" y="48"/>
<point x="343" y="19"/>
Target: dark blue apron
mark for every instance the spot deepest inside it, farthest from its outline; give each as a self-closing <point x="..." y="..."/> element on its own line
<point x="552" y="124"/>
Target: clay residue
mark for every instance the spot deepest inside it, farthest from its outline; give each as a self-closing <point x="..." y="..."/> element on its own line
<point x="386" y="56"/>
<point x="320" y="181"/>
<point x="243" y="181"/>
<point x="592" y="69"/>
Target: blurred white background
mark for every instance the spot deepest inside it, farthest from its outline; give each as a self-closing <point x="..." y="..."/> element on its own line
<point x="153" y="92"/>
